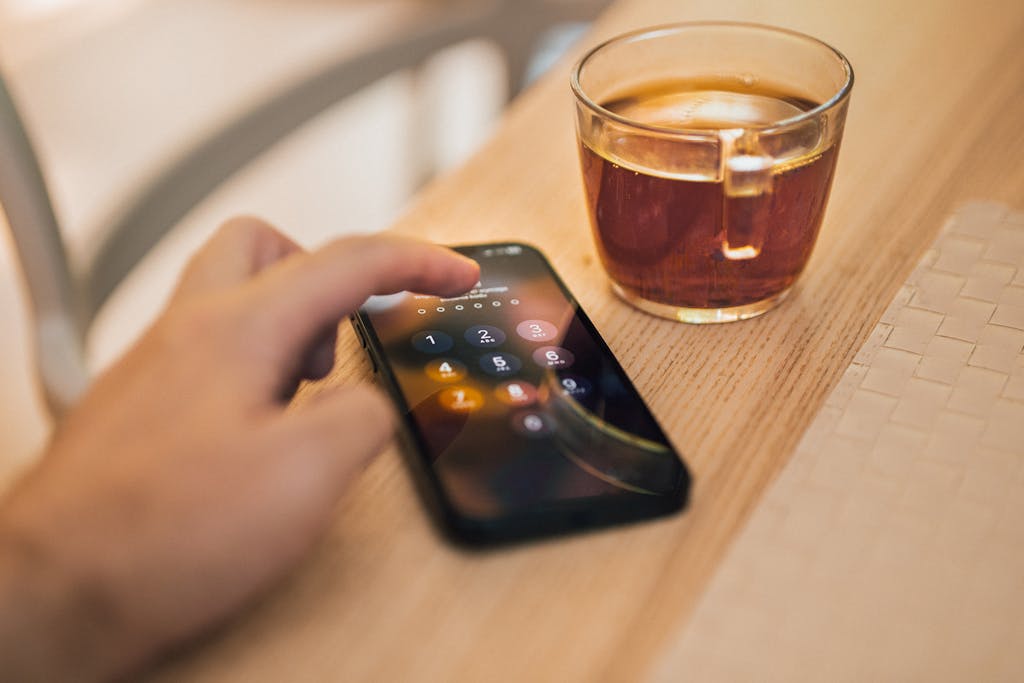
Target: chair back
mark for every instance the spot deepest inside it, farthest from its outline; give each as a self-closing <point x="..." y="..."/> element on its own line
<point x="65" y="302"/>
<point x="57" y="312"/>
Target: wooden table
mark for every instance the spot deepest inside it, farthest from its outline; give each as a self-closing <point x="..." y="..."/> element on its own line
<point x="936" y="119"/>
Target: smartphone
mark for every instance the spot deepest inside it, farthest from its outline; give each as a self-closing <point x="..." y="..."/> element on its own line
<point x="519" y="420"/>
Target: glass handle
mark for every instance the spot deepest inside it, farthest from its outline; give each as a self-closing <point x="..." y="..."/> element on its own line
<point x="746" y="172"/>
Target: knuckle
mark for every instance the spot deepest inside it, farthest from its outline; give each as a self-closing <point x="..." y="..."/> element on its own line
<point x="243" y="225"/>
<point x="364" y="248"/>
<point x="184" y="325"/>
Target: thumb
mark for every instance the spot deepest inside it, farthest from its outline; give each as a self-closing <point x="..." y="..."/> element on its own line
<point x="340" y="431"/>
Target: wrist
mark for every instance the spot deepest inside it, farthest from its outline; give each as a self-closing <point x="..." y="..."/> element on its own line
<point x="53" y="622"/>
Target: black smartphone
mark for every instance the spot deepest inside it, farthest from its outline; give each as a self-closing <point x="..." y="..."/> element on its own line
<point x="521" y="421"/>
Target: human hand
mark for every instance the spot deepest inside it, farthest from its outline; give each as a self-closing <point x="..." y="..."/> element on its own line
<point x="180" y="486"/>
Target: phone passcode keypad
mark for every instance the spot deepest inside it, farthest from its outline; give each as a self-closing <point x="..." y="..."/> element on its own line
<point x="554" y="357"/>
<point x="485" y="336"/>
<point x="496" y="359"/>
<point x="531" y="423"/>
<point x="461" y="399"/>
<point x="432" y="341"/>
<point x="500" y="364"/>
<point x="516" y="393"/>
<point x="446" y="370"/>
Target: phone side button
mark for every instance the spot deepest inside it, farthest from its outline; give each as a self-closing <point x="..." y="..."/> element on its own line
<point x="359" y="333"/>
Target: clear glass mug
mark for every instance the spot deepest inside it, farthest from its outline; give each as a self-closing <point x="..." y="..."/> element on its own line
<point x="707" y="152"/>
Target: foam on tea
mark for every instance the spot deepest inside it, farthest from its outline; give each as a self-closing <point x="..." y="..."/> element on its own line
<point x="674" y="105"/>
<point x="684" y="232"/>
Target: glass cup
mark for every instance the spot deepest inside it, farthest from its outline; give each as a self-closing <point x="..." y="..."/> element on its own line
<point x="707" y="152"/>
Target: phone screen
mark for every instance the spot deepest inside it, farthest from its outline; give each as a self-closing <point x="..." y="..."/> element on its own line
<point x="517" y="406"/>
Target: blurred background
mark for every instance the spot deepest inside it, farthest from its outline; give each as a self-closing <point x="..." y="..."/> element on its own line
<point x="113" y="91"/>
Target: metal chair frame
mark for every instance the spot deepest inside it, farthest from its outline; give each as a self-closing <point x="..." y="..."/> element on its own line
<point x="64" y="300"/>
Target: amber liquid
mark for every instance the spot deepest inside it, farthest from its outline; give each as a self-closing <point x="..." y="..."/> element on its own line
<point x="660" y="234"/>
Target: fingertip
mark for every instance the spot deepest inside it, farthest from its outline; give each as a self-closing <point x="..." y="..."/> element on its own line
<point x="367" y="412"/>
<point x="461" y="273"/>
<point x="333" y="437"/>
<point x="374" y="404"/>
<point x="471" y="270"/>
<point x="377" y="414"/>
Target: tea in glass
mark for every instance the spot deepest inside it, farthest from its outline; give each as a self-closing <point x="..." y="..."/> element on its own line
<point x="706" y="187"/>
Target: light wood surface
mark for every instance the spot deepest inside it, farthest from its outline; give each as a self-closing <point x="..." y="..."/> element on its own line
<point x="895" y="528"/>
<point x="935" y="119"/>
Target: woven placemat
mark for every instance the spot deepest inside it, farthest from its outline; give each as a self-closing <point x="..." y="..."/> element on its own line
<point x="891" y="547"/>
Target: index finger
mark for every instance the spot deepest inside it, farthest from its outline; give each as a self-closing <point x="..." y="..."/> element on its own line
<point x="301" y="295"/>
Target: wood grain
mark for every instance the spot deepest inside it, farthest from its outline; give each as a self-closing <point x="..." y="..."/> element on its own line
<point x="934" y="120"/>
